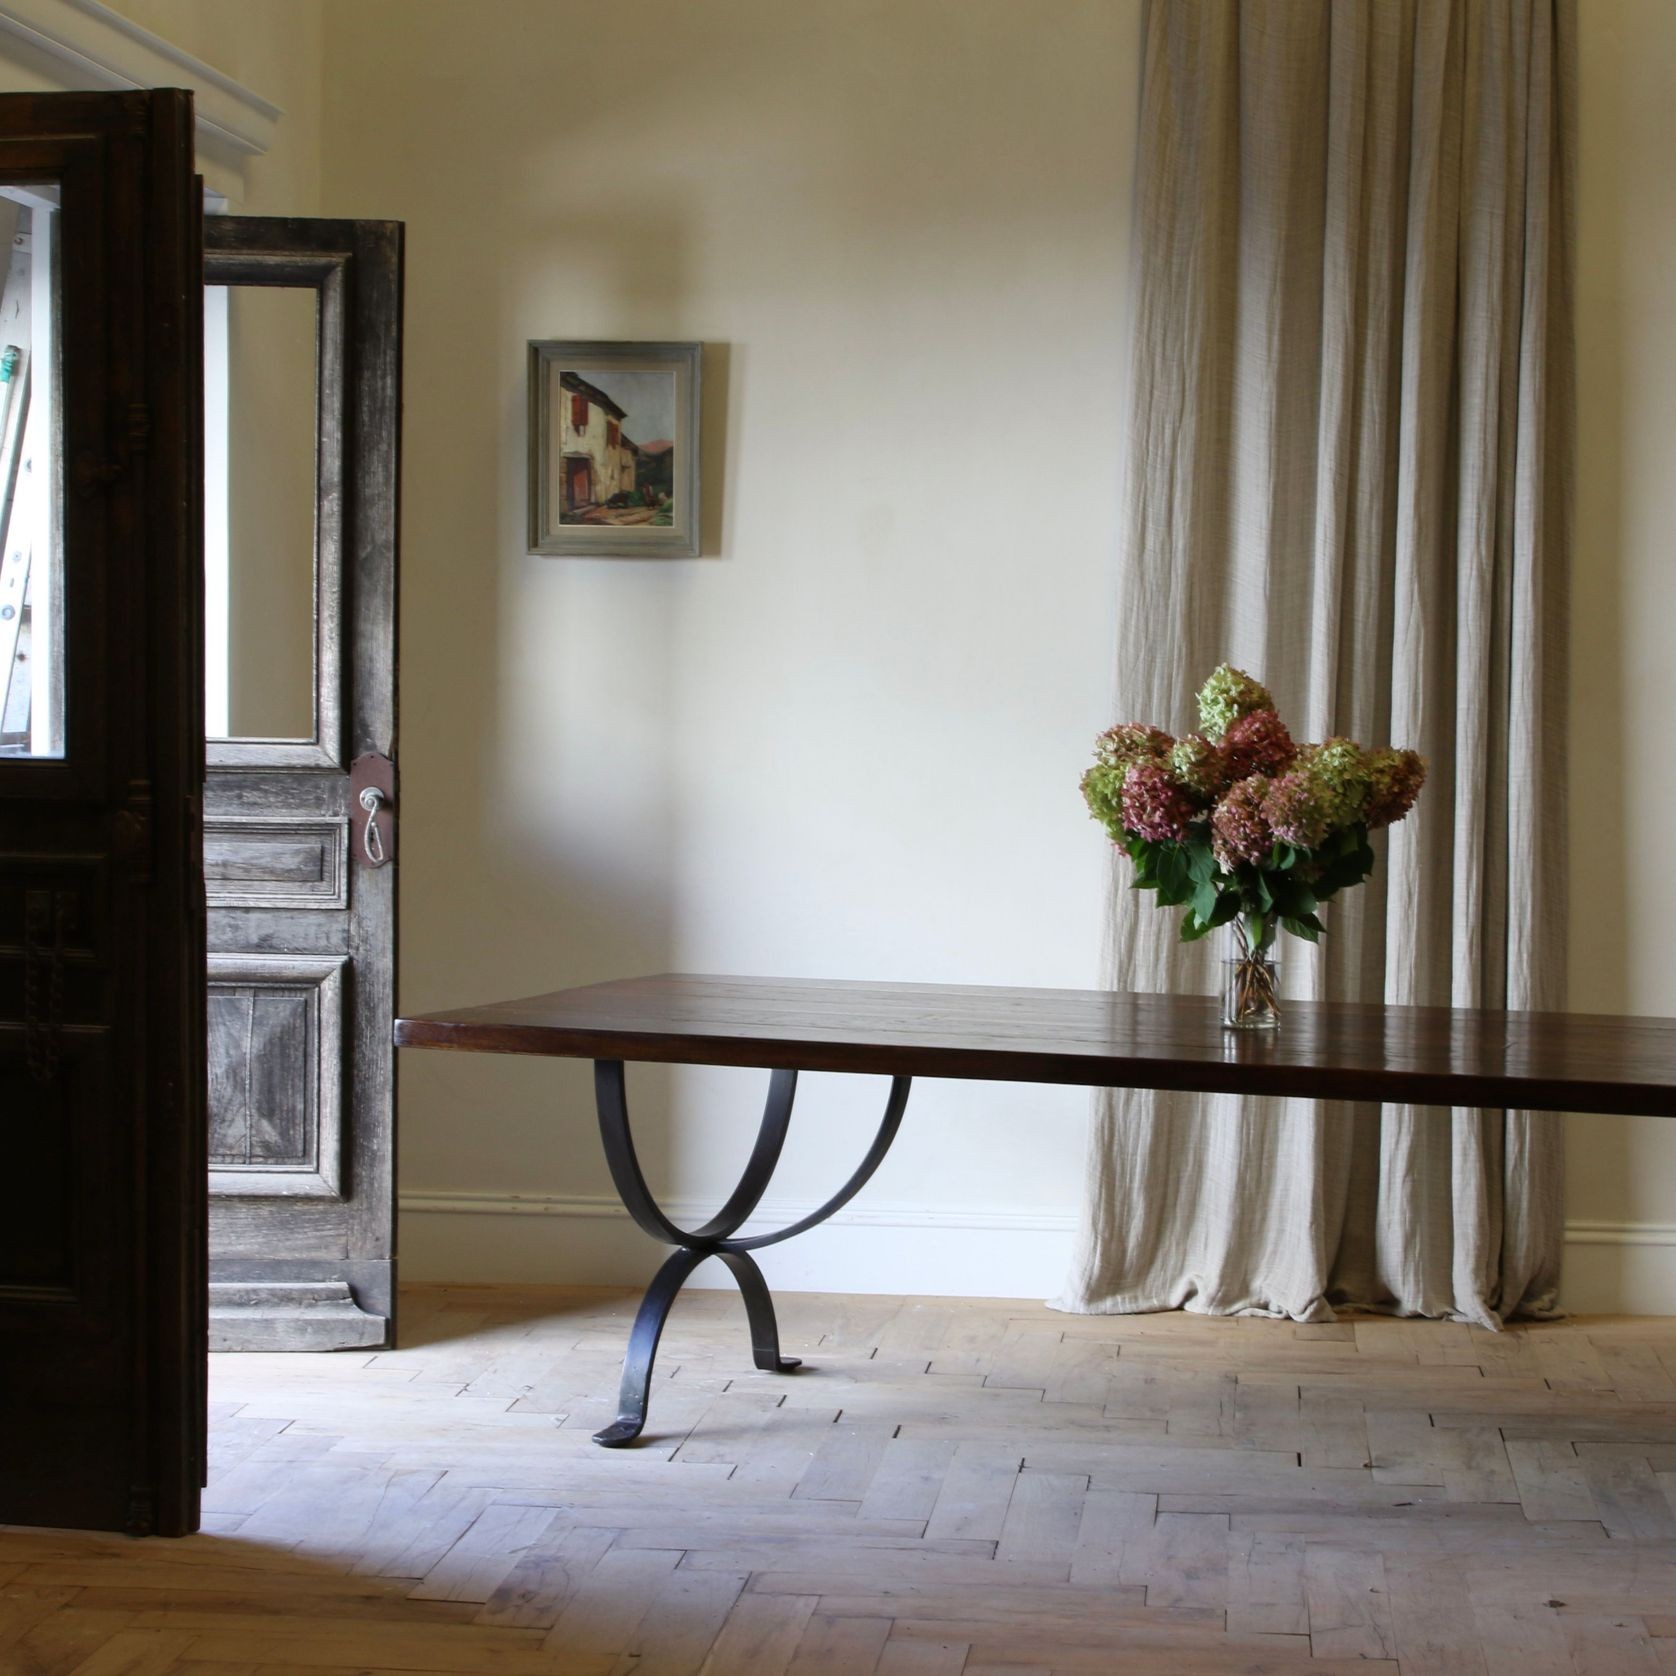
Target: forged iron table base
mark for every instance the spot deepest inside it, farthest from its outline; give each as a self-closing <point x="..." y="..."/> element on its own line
<point x="716" y="1238"/>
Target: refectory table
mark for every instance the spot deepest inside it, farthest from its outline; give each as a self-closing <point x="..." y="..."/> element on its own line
<point x="1444" y="1056"/>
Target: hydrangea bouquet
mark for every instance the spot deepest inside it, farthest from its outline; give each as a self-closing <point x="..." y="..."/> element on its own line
<point x="1243" y="827"/>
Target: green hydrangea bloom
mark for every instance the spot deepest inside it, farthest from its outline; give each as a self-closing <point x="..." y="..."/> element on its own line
<point x="1229" y="694"/>
<point x="1338" y="771"/>
<point x="1394" y="781"/>
<point x="1102" y="791"/>
<point x="1131" y="742"/>
<point x="1198" y="766"/>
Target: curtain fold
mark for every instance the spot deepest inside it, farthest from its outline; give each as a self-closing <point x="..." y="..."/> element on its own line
<point x="1350" y="455"/>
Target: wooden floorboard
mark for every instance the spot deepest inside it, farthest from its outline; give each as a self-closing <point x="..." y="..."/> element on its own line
<point x="949" y="1487"/>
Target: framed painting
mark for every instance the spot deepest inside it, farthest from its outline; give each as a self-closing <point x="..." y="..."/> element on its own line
<point x="614" y="449"/>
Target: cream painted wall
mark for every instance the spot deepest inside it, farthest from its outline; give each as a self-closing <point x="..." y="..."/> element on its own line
<point x="1623" y="916"/>
<point x="845" y="743"/>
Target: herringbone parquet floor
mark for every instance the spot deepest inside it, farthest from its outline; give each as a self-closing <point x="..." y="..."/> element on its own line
<point x="949" y="1486"/>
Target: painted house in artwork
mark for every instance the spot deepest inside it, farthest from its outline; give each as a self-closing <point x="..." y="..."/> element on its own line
<point x="596" y="460"/>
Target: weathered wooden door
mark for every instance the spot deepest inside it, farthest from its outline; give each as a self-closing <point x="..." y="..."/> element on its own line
<point x="299" y="843"/>
<point x="102" y="1319"/>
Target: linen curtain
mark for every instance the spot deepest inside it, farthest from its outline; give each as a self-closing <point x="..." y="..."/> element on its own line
<point x="1350" y="457"/>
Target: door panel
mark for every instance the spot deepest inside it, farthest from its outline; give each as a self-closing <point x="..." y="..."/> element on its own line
<point x="276" y="1076"/>
<point x="102" y="1259"/>
<point x="302" y="920"/>
<point x="254" y="861"/>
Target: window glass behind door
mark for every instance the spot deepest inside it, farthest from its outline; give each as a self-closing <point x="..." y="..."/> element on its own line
<point x="31" y="558"/>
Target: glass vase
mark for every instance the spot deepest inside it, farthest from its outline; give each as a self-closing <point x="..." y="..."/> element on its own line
<point x="1251" y="981"/>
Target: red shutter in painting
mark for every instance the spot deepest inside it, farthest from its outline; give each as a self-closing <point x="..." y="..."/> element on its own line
<point x="578" y="412"/>
<point x="611" y="433"/>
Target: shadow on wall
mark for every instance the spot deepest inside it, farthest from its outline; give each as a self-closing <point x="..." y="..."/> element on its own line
<point x="713" y="451"/>
<point x="775" y="175"/>
<point x="538" y="765"/>
<point x="580" y="888"/>
<point x="1601" y="1170"/>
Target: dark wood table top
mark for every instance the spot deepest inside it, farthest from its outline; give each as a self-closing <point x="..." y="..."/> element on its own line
<point x="1099" y="1038"/>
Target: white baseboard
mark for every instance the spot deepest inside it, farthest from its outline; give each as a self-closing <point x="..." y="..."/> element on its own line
<point x="1620" y="1268"/>
<point x="589" y="1240"/>
<point x="978" y="1252"/>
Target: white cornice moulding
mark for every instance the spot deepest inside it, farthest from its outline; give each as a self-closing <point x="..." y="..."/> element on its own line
<point x="586" y="1205"/>
<point x="90" y="46"/>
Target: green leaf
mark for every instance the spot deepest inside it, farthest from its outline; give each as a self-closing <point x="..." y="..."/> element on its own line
<point x="1306" y="926"/>
<point x="1175" y="884"/>
<point x="1227" y="908"/>
<point x="1201" y="862"/>
<point x="1204" y="901"/>
<point x="1293" y="898"/>
<point x="1193" y="928"/>
<point x="1146" y="864"/>
<point x="1172" y="866"/>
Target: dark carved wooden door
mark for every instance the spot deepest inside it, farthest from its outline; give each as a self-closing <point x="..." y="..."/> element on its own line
<point x="102" y="1318"/>
<point x="299" y="853"/>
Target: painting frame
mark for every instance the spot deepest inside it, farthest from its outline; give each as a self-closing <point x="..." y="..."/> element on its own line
<point x="586" y="496"/>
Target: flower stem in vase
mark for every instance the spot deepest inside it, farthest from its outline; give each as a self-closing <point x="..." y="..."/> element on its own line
<point x="1251" y="978"/>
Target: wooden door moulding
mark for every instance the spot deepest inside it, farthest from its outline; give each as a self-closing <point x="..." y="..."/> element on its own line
<point x="229" y="260"/>
<point x="277" y="861"/>
<point x="308" y="1163"/>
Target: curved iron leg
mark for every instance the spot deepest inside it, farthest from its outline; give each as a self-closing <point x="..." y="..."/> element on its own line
<point x="888" y="1125"/>
<point x="716" y="1238"/>
<point x="633" y="1393"/>
<point x="759" y="1312"/>
<point x="611" y="1101"/>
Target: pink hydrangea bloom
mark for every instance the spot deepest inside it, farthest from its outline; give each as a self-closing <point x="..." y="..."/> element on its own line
<point x="1296" y="812"/>
<point x="1131" y="742"/>
<point x="1153" y="804"/>
<point x="1258" y="743"/>
<point x="1394" y="781"/>
<point x="1240" y="824"/>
